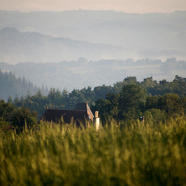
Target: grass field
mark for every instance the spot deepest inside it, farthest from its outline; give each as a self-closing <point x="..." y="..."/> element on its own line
<point x="133" y="154"/>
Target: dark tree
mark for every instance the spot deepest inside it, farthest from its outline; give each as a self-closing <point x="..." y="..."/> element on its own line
<point x="131" y="102"/>
<point x="23" y="116"/>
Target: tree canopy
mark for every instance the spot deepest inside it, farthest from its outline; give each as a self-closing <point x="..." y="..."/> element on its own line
<point x="114" y="101"/>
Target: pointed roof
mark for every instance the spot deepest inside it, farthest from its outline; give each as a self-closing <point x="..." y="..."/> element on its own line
<point x="68" y="116"/>
<point x="81" y="106"/>
<point x="80" y="114"/>
<point x="84" y="106"/>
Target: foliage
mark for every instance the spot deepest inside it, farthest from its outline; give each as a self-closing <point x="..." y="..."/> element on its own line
<point x="11" y="86"/>
<point x="126" y="105"/>
<point x="67" y="100"/>
<point x="171" y="104"/>
<point x="138" y="154"/>
<point x="16" y="117"/>
<point x="131" y="101"/>
<point x="154" y="116"/>
<point x="6" y="113"/>
<point x="22" y="116"/>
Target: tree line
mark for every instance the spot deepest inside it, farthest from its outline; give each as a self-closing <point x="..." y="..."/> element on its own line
<point x="126" y="100"/>
<point x="12" y="86"/>
<point x="67" y="100"/>
<point x="12" y="116"/>
<point x="82" y="72"/>
<point x="133" y="103"/>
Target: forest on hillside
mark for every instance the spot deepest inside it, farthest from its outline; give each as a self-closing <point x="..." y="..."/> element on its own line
<point x="81" y="73"/>
<point x="128" y="67"/>
<point x="95" y="35"/>
<point x="101" y="97"/>
<point x="12" y="87"/>
<point x="143" y="124"/>
<point x="128" y="100"/>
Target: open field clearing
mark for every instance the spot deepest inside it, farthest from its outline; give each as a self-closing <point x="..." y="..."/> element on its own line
<point x="136" y="153"/>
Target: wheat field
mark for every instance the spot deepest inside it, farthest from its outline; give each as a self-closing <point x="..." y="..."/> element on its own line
<point x="132" y="154"/>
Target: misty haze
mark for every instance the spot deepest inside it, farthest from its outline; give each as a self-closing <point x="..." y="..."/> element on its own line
<point x="94" y="35"/>
<point x="76" y="49"/>
<point x="90" y="95"/>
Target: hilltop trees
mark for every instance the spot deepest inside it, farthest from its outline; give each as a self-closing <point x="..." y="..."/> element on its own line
<point x="126" y="105"/>
<point x="6" y="113"/>
<point x="171" y="104"/>
<point x="11" y="86"/>
<point x="117" y="99"/>
<point x="122" y="103"/>
<point x="133" y="102"/>
<point x="23" y="116"/>
<point x="17" y="117"/>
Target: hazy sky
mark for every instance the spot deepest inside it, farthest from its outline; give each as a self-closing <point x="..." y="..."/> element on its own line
<point x="130" y="6"/>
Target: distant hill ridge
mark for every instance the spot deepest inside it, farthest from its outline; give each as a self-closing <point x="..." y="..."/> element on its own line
<point x="16" y="46"/>
<point x="13" y="86"/>
<point x="82" y="73"/>
<point x="151" y="35"/>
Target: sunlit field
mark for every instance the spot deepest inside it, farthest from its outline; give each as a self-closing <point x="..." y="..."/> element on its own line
<point x="128" y="154"/>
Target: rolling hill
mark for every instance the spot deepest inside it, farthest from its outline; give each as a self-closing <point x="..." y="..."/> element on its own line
<point x="16" y="46"/>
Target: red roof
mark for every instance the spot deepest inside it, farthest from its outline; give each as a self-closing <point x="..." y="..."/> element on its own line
<point x="84" y="106"/>
<point x="68" y="116"/>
